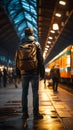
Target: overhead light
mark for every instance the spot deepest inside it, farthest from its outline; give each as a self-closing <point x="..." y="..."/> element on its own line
<point x="62" y="2"/>
<point x="58" y="14"/>
<point x="55" y="26"/>
<point x="47" y="46"/>
<point x="49" y="42"/>
<point x="50" y="37"/>
<point x="46" y="49"/>
<point x="52" y="31"/>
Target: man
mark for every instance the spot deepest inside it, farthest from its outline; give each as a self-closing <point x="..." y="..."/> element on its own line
<point x="5" y="75"/>
<point x="33" y="77"/>
<point x="55" y="75"/>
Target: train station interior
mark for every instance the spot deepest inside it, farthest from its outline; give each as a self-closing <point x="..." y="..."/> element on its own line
<point x="52" y="22"/>
<point x="41" y="15"/>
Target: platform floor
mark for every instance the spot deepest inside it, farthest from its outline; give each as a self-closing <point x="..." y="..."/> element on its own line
<point x="56" y="107"/>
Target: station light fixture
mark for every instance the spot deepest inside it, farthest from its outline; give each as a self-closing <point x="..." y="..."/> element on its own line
<point x="50" y="37"/>
<point x="47" y="46"/>
<point x="55" y="26"/>
<point x="49" y="42"/>
<point x="52" y="31"/>
<point x="58" y="14"/>
<point x="62" y="2"/>
<point x="46" y="49"/>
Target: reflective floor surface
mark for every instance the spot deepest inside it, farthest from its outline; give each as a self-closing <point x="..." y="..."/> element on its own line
<point x="57" y="109"/>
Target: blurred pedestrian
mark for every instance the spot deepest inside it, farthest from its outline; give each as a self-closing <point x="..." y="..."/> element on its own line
<point x="16" y="76"/>
<point x="5" y="76"/>
<point x="55" y="75"/>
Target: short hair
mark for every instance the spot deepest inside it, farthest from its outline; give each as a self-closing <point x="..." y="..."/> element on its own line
<point x="29" y="31"/>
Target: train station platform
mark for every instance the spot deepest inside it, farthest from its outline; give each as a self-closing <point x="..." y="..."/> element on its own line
<point x="56" y="107"/>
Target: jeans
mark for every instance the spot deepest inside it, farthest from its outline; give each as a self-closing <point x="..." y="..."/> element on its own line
<point x="34" y="79"/>
<point x="55" y="84"/>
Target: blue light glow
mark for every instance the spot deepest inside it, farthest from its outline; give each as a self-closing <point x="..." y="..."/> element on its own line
<point x="22" y="14"/>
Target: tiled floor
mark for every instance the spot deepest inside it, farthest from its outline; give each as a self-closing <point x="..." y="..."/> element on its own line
<point x="57" y="109"/>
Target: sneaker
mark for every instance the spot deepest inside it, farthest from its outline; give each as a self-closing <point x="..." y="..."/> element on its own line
<point x="25" y="116"/>
<point x="38" y="116"/>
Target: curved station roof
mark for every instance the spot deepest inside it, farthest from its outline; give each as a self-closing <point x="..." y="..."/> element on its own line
<point x="41" y="15"/>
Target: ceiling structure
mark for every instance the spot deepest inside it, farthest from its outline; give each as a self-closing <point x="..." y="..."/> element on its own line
<point x="53" y="43"/>
<point x="15" y="15"/>
<point x="8" y="38"/>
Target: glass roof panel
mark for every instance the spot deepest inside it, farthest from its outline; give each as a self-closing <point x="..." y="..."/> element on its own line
<point x="18" y="18"/>
<point x="22" y="13"/>
<point x="22" y="26"/>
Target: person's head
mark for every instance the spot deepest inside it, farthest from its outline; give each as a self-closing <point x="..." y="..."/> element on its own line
<point x="29" y="31"/>
<point x="56" y="66"/>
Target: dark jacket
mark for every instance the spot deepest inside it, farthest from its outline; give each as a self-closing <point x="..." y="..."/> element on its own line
<point x="55" y="73"/>
<point x="40" y="69"/>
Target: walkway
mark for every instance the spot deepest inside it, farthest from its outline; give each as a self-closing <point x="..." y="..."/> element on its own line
<point x="57" y="109"/>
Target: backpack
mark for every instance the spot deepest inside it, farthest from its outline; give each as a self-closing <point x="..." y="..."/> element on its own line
<point x="27" y="57"/>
